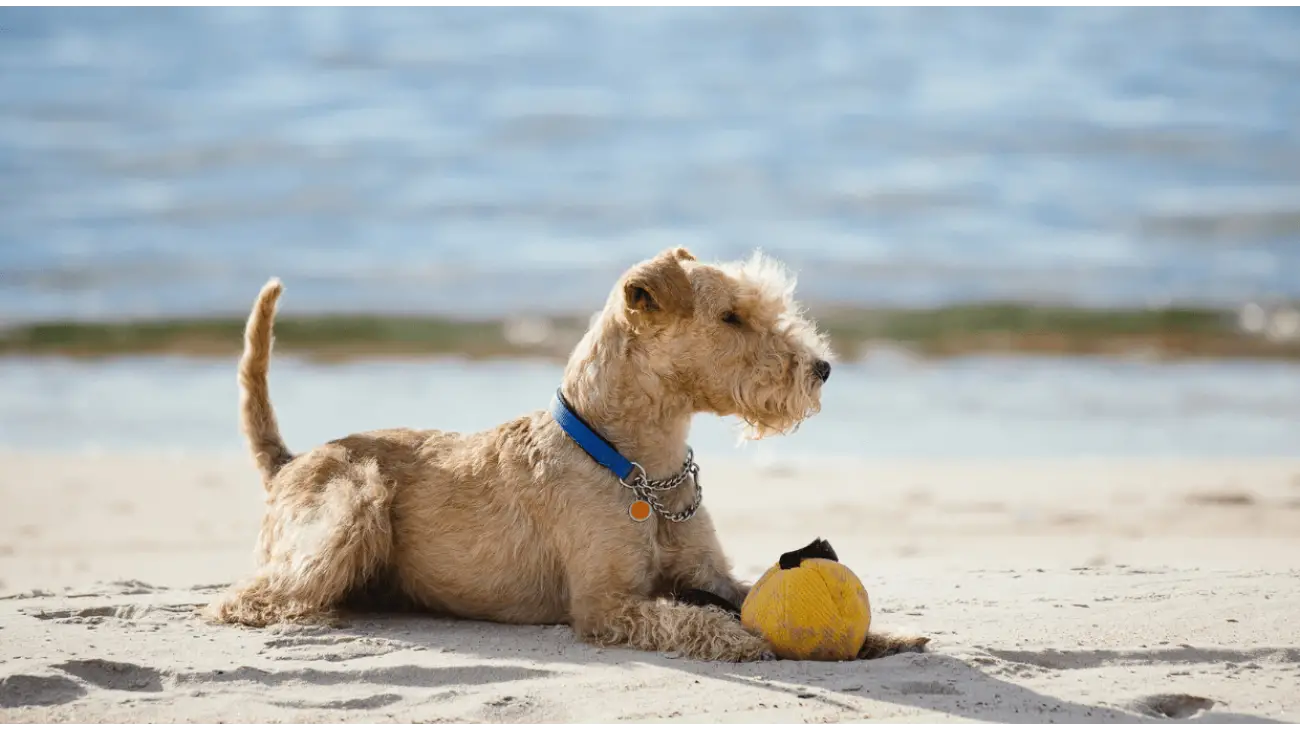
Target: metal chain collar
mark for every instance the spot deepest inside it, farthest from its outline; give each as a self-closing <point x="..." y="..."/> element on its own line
<point x="645" y="488"/>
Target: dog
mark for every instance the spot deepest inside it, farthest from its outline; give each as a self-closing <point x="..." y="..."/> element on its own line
<point x="588" y="514"/>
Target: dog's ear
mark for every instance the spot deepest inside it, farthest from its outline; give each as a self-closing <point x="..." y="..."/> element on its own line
<point x="679" y="253"/>
<point x="660" y="286"/>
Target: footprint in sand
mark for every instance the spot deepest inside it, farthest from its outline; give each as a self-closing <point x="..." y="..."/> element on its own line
<point x="25" y="690"/>
<point x="927" y="688"/>
<point x="1172" y="706"/>
<point x="369" y="702"/>
<point x="121" y="676"/>
<point x="97" y="614"/>
<point x="509" y="708"/>
<point x="329" y="648"/>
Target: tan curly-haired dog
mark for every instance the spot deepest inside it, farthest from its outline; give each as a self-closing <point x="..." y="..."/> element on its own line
<point x="519" y="524"/>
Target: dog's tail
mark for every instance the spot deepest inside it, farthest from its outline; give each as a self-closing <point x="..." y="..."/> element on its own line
<point x="256" y="416"/>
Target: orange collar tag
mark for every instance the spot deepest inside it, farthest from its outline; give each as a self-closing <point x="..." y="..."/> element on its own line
<point x="640" y="510"/>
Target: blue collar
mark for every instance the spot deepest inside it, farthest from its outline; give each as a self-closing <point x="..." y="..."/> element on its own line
<point x="593" y="443"/>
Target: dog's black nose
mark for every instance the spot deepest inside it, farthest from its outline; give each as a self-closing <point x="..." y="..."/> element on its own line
<point x="822" y="370"/>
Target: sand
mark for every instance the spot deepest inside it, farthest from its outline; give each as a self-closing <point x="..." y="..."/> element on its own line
<point x="1055" y="591"/>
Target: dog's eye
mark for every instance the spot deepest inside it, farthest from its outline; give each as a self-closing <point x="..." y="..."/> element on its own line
<point x="732" y="319"/>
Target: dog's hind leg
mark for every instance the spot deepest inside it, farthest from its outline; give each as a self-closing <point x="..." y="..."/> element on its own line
<point x="318" y="543"/>
<point x="880" y="645"/>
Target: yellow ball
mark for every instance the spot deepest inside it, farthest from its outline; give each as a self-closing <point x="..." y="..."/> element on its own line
<point x="809" y="607"/>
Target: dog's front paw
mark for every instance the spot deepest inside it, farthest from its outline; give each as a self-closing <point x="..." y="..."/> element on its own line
<point x="882" y="645"/>
<point x="757" y="651"/>
<point x="742" y="646"/>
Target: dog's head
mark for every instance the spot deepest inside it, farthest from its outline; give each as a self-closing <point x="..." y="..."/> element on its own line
<point x="729" y="337"/>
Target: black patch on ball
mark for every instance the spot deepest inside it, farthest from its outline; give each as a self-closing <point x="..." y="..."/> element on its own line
<point x="818" y="548"/>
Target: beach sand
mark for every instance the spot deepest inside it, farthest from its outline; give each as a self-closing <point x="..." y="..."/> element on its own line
<point x="1054" y="591"/>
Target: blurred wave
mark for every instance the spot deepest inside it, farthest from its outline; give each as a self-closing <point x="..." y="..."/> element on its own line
<point x="488" y="161"/>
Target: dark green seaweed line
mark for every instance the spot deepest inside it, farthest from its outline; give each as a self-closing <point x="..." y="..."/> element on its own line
<point x="942" y="332"/>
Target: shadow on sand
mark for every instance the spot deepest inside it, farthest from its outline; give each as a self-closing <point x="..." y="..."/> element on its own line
<point x="979" y="686"/>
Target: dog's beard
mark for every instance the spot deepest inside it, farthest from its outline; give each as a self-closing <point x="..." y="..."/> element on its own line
<point x="777" y="411"/>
